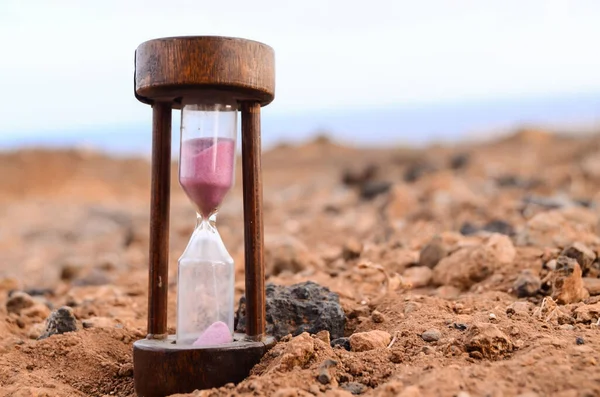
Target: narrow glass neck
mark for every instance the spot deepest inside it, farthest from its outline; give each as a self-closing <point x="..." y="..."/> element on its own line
<point x="209" y="223"/>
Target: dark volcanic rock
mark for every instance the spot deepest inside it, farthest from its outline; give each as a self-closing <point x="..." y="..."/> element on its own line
<point x="527" y="284"/>
<point x="499" y="226"/>
<point x="304" y="307"/>
<point x="60" y="321"/>
<point x="370" y="190"/>
<point x="343" y="342"/>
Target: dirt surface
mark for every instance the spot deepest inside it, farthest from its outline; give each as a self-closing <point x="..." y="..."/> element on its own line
<point x="462" y="271"/>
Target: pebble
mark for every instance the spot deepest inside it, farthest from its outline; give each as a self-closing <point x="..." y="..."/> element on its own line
<point x="486" y="340"/>
<point x="372" y="189"/>
<point x="579" y="340"/>
<point x="567" y="327"/>
<point x="592" y="285"/>
<point x="428" y="350"/>
<point x="527" y="284"/>
<point x="60" y="321"/>
<point x="460" y="326"/>
<point x="582" y="254"/>
<point x="354" y="387"/>
<point x="324" y="376"/>
<point x="499" y="226"/>
<point x="432" y="253"/>
<point x="377" y="316"/>
<point x="18" y="301"/>
<point x="342" y="342"/>
<point x="459" y="160"/>
<point x="418" y="276"/>
<point x="431" y="335"/>
<point x="363" y="341"/>
<point x="566" y="282"/>
<point x="354" y="177"/>
<point x="492" y="317"/>
<point x="352" y="249"/>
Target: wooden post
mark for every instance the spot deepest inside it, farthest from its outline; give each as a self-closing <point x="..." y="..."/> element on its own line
<point x="253" y="221"/>
<point x="158" y="277"/>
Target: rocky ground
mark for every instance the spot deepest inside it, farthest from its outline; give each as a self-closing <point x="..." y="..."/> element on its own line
<point x="461" y="271"/>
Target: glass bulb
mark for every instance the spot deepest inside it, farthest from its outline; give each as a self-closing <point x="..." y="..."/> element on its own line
<point x="205" y="297"/>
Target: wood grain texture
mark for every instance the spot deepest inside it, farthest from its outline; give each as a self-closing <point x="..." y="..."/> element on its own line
<point x="169" y="68"/>
<point x="158" y="277"/>
<point x="253" y="221"/>
<point x="163" y="368"/>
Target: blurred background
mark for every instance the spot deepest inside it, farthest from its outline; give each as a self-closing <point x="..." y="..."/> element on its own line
<point x="364" y="73"/>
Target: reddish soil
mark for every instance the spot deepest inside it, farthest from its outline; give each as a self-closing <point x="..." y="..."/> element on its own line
<point x="508" y="307"/>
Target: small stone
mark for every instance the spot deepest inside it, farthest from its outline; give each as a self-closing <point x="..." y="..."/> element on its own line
<point x="492" y="317"/>
<point x="18" y="301"/>
<point x="587" y="314"/>
<point x="566" y="281"/>
<point x="431" y="335"/>
<point x="418" y="276"/>
<point x="342" y="342"/>
<point x="324" y="376"/>
<point x="472" y="264"/>
<point x="432" y="253"/>
<point x="353" y="177"/>
<point x="579" y="340"/>
<point x="519" y="307"/>
<point x="416" y="170"/>
<point x="550" y="265"/>
<point x="60" y="321"/>
<point x="460" y="326"/>
<point x="324" y="336"/>
<point x="125" y="371"/>
<point x="485" y="340"/>
<point x="582" y="254"/>
<point x="370" y="190"/>
<point x="592" y="285"/>
<point x="527" y="284"/>
<point x="363" y="341"/>
<point x="95" y="277"/>
<point x="352" y="249"/>
<point x="69" y="271"/>
<point x="428" y="350"/>
<point x="468" y="229"/>
<point x="360" y="311"/>
<point x="459" y="160"/>
<point x="567" y="327"/>
<point x="377" y="317"/>
<point x="216" y="334"/>
<point x="355" y="388"/>
<point x="499" y="226"/>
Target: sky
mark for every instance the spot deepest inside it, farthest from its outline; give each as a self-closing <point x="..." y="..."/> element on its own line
<point x="67" y="64"/>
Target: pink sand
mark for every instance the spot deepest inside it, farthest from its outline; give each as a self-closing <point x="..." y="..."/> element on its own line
<point x="206" y="171"/>
<point x="216" y="334"/>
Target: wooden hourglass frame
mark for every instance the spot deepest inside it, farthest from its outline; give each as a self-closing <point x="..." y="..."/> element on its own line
<point x="167" y="70"/>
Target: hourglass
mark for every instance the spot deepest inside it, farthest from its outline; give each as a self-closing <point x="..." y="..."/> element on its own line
<point x="211" y="79"/>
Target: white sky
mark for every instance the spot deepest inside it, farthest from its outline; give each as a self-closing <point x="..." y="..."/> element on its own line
<point x="67" y="63"/>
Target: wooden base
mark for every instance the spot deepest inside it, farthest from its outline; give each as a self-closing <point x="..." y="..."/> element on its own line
<point x="162" y="368"/>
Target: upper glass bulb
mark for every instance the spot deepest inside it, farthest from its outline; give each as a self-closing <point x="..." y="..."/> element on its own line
<point x="207" y="153"/>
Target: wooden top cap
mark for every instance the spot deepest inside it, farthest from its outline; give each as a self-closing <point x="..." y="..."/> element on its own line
<point x="171" y="68"/>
